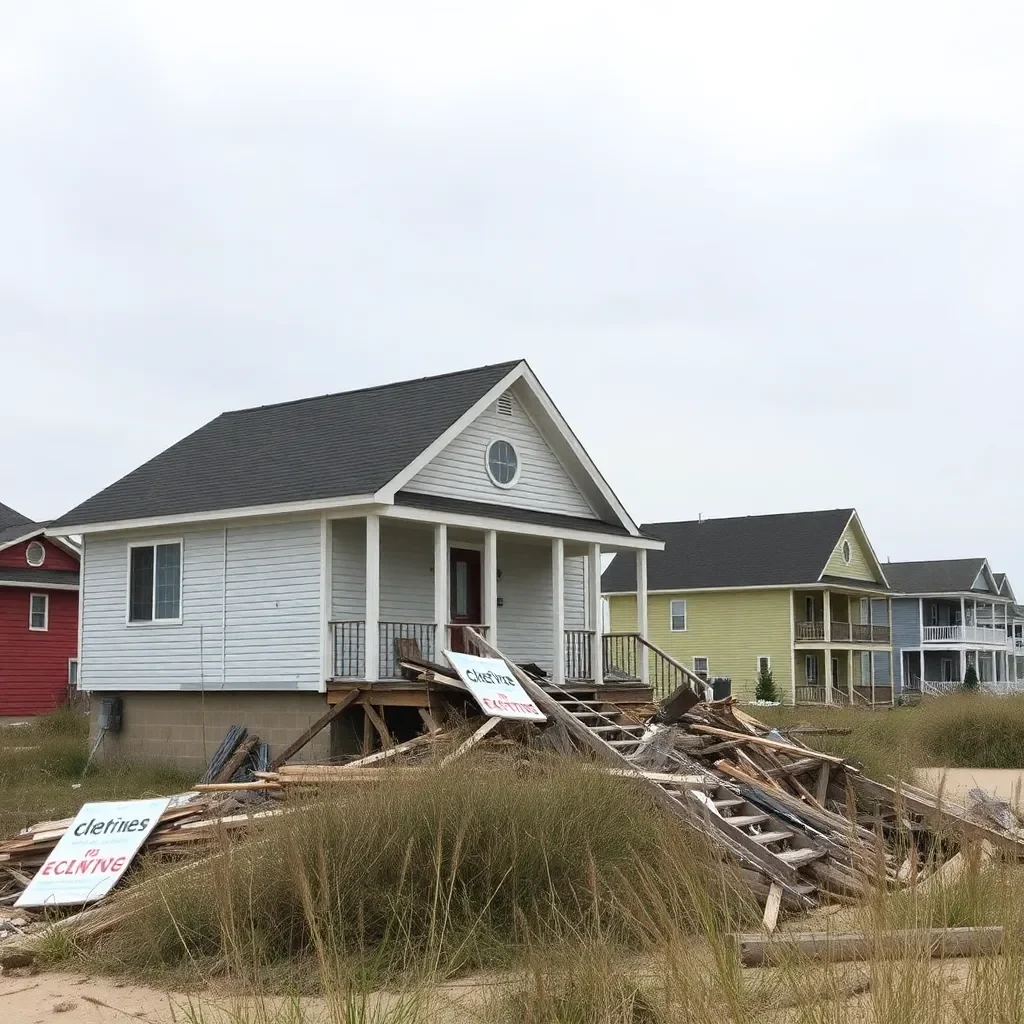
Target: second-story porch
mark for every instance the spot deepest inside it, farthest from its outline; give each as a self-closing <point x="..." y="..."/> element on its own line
<point x="835" y="616"/>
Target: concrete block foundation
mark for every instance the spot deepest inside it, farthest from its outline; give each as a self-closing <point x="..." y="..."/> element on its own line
<point x="185" y="729"/>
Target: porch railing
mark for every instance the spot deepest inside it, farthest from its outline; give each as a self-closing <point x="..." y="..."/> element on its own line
<point x="457" y="639"/>
<point x="420" y="634"/>
<point x="621" y="657"/>
<point x="844" y="632"/>
<point x="841" y="631"/>
<point x="578" y="654"/>
<point x="348" y="644"/>
<point x="865" y="634"/>
<point x="810" y="695"/>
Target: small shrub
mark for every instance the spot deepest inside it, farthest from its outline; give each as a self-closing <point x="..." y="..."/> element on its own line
<point x="766" y="690"/>
<point x="970" y="683"/>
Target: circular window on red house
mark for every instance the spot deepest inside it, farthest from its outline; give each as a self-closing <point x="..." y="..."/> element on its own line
<point x="35" y="554"/>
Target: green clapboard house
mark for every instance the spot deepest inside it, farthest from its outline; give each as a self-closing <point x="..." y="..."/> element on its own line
<point x="800" y="593"/>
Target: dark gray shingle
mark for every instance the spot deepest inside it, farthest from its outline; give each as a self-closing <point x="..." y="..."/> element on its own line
<point x="333" y="446"/>
<point x="938" y="576"/>
<point x="41" y="578"/>
<point x="9" y="518"/>
<point x="749" y="551"/>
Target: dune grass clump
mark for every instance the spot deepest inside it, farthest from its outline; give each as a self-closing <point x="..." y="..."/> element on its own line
<point x="972" y="730"/>
<point x="42" y="765"/>
<point x="456" y="868"/>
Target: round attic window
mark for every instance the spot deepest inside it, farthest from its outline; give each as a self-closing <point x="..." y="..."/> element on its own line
<point x="35" y="554"/>
<point x="502" y="463"/>
<point x="847" y="553"/>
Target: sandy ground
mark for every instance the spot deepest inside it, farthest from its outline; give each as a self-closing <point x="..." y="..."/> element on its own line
<point x="1003" y="783"/>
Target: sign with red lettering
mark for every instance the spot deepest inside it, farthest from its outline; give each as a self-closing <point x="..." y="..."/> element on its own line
<point x="93" y="853"/>
<point x="496" y="690"/>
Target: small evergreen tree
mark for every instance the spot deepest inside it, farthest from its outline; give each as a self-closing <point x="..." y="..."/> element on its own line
<point x="971" y="679"/>
<point x="766" y="685"/>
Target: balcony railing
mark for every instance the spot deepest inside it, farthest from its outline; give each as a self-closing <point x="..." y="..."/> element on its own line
<point x="959" y="634"/>
<point x="810" y="631"/>
<point x="348" y="644"/>
<point x="844" y="632"/>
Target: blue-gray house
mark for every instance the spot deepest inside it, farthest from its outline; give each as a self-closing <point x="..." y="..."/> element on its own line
<point x="949" y="614"/>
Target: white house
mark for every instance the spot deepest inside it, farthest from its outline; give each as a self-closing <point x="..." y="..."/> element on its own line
<point x="265" y="564"/>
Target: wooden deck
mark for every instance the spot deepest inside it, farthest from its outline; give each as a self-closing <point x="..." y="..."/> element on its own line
<point x="412" y="694"/>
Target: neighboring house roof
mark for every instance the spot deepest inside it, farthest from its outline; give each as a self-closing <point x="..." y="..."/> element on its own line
<point x="20" y="531"/>
<point x="749" y="551"/>
<point x="41" y="578"/>
<point x="10" y="518"/>
<point x="937" y="576"/>
<point x="332" y="446"/>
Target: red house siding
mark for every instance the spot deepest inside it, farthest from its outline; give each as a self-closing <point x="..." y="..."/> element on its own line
<point x="34" y="664"/>
<point x="56" y="557"/>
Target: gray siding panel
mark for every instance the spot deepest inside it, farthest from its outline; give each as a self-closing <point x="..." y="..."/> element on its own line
<point x="906" y="631"/>
<point x="273" y="607"/>
<point x="575" y="593"/>
<point x="525" y="623"/>
<point x="406" y="573"/>
<point x="272" y="594"/>
<point x="348" y="569"/>
<point x="460" y="471"/>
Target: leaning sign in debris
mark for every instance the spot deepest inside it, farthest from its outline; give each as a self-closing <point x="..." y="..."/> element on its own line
<point x="93" y="853"/>
<point x="496" y="690"/>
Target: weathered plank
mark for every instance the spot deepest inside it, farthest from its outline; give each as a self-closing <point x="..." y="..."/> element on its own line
<point x="322" y="722"/>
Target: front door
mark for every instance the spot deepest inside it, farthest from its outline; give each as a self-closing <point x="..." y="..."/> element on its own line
<point x="466" y="593"/>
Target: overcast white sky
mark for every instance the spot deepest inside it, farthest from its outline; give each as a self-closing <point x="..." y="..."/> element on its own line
<point x="765" y="257"/>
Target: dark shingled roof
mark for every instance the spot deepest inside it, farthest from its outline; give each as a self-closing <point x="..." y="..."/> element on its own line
<point x="20" y="530"/>
<point x="9" y="518"/>
<point x="941" y="576"/>
<point x="436" y="503"/>
<point x="38" y="577"/>
<point x="749" y="551"/>
<point x="333" y="446"/>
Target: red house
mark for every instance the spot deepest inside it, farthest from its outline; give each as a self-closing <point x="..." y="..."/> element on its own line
<point x="38" y="617"/>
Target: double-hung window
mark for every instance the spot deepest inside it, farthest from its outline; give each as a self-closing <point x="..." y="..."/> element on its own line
<point x="154" y="582"/>
<point x="701" y="668"/>
<point x="677" y="616"/>
<point x="39" y="612"/>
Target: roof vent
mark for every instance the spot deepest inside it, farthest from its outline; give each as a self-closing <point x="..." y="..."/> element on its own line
<point x="506" y="406"/>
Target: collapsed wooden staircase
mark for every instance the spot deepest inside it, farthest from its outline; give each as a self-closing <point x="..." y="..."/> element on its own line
<point x="757" y="838"/>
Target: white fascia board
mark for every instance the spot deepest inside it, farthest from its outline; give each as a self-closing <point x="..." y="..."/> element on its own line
<point x="874" y="588"/>
<point x="386" y="495"/>
<point x="579" y="451"/>
<point x="32" y="585"/>
<point x="608" y="542"/>
<point x="215" y="515"/>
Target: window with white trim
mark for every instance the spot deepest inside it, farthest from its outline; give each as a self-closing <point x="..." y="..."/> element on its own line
<point x="764" y="664"/>
<point x="847" y="552"/>
<point x="502" y="461"/>
<point x="39" y="612"/>
<point x="677" y="616"/>
<point x="35" y="554"/>
<point x="154" y="582"/>
<point x="935" y="613"/>
<point x="865" y="667"/>
<point x="811" y="669"/>
<point x="72" y="672"/>
<point x="701" y="668"/>
<point x="809" y="609"/>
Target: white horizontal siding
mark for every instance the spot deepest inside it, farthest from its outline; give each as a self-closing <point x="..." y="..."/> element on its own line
<point x="525" y="616"/>
<point x="460" y="470"/>
<point x="273" y="606"/>
<point x="269" y="598"/>
<point x="406" y="573"/>
<point x="575" y="593"/>
<point x="348" y="569"/>
<point x="118" y="656"/>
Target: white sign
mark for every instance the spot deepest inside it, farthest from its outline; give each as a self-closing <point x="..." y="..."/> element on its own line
<point x="496" y="690"/>
<point x="93" y="853"/>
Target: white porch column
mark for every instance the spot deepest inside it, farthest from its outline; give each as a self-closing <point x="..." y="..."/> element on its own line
<point x="963" y="660"/>
<point x="963" y="622"/>
<point x="372" y="616"/>
<point x="827" y="670"/>
<point x="826" y="613"/>
<point x="491" y="586"/>
<point x="558" y="610"/>
<point x="921" y="653"/>
<point x="594" y="605"/>
<point x="641" y="613"/>
<point x="326" y="636"/>
<point x="441" y="593"/>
